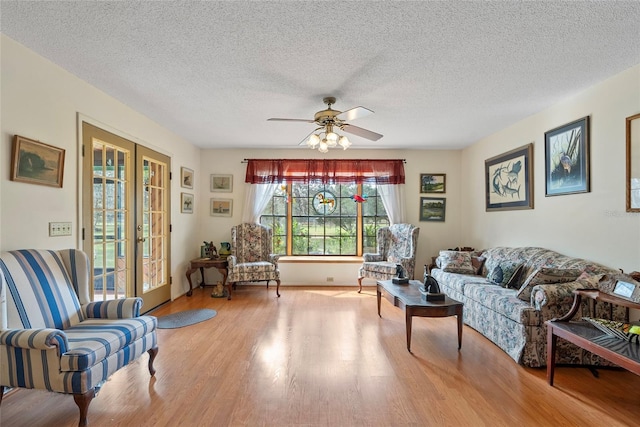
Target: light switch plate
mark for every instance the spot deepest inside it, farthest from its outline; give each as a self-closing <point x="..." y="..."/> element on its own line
<point x="59" y="229"/>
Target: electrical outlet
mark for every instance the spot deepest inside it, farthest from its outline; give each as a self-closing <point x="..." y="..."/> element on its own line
<point x="59" y="229"/>
<point x="329" y="279"/>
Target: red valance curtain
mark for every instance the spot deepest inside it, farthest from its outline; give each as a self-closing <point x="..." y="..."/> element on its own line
<point x="269" y="171"/>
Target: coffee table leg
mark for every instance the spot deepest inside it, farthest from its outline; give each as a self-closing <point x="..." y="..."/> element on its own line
<point x="379" y="295"/>
<point x="459" y="316"/>
<point x="409" y="316"/>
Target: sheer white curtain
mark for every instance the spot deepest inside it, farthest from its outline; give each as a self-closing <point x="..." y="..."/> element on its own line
<point x="393" y="200"/>
<point x="256" y="199"/>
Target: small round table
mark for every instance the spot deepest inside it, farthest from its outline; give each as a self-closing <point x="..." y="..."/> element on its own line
<point x="220" y="264"/>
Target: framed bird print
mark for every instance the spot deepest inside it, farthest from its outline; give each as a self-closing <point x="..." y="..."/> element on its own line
<point x="566" y="157"/>
<point x="509" y="180"/>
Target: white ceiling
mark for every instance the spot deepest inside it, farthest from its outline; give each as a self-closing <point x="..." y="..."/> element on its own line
<point x="437" y="74"/>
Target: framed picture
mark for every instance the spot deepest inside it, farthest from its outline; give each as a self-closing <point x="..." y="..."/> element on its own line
<point x="633" y="163"/>
<point x="566" y="159"/>
<point x="509" y="180"/>
<point x="432" y="208"/>
<point x="222" y="183"/>
<point x="186" y="177"/>
<point x="221" y="207"/>
<point x="35" y="162"/>
<point x="186" y="203"/>
<point x="433" y="182"/>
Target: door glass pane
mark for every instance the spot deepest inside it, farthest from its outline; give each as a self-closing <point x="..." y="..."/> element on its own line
<point x="110" y="218"/>
<point x="154" y="227"/>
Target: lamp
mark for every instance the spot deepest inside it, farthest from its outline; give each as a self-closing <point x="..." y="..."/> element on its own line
<point x="326" y="139"/>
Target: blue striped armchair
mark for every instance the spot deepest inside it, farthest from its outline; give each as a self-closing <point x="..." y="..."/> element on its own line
<point x="53" y="337"/>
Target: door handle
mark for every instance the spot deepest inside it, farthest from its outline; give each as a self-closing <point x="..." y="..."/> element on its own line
<point x="141" y="239"/>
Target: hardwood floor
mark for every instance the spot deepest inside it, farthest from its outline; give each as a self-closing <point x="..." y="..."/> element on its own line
<point x="323" y="357"/>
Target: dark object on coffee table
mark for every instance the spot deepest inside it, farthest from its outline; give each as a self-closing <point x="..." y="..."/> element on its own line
<point x="431" y="288"/>
<point x="401" y="277"/>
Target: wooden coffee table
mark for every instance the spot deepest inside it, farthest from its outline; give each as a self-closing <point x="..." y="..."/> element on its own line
<point x="409" y="298"/>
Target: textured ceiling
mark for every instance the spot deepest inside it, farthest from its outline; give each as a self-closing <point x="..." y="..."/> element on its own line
<point x="437" y="74"/>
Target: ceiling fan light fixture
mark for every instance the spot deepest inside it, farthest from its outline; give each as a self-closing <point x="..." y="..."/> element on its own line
<point x="323" y="147"/>
<point x="332" y="139"/>
<point x="313" y="140"/>
<point x="344" y="142"/>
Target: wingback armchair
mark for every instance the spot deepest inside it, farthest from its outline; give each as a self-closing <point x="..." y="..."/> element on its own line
<point x="396" y="245"/>
<point x="53" y="337"/>
<point x="251" y="259"/>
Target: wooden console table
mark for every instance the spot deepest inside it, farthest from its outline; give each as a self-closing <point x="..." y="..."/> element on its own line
<point x="583" y="334"/>
<point x="220" y="264"/>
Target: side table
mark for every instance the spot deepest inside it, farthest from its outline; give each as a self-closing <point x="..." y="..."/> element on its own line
<point x="220" y="264"/>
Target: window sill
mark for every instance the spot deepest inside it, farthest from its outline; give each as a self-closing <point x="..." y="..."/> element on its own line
<point x="321" y="259"/>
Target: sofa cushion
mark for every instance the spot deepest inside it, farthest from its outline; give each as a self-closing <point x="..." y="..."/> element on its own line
<point x="505" y="274"/>
<point x="456" y="262"/>
<point x="503" y="301"/>
<point x="546" y="276"/>
<point x="477" y="262"/>
<point x="93" y="340"/>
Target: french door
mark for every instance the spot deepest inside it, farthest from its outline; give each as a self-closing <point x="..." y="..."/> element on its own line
<point x="126" y="218"/>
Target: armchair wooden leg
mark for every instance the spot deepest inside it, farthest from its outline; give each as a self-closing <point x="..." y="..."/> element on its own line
<point x="360" y="284"/>
<point x="153" y="352"/>
<point x="83" y="401"/>
<point x="278" y="288"/>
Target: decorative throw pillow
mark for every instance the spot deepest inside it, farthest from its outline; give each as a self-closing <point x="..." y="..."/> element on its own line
<point x="456" y="262"/>
<point x="477" y="262"/>
<point x="505" y="274"/>
<point x="546" y="276"/>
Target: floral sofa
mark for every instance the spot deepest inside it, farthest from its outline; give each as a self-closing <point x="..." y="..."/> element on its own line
<point x="509" y="298"/>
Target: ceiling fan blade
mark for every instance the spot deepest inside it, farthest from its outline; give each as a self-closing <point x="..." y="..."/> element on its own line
<point x="364" y="133"/>
<point x="354" y="113"/>
<point x="275" y="119"/>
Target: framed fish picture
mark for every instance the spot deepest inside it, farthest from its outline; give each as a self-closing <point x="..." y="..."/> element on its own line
<point x="566" y="155"/>
<point x="509" y="180"/>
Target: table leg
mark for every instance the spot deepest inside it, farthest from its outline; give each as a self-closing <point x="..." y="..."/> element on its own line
<point x="459" y="316"/>
<point x="189" y="272"/>
<point x="551" y="353"/>
<point x="379" y="295"/>
<point x="409" y="317"/>
<point x="202" y="285"/>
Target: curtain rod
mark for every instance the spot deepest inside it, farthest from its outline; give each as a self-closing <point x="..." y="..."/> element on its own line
<point x="403" y="160"/>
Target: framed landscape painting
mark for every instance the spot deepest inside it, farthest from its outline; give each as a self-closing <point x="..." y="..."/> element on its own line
<point x="509" y="180"/>
<point x="566" y="159"/>
<point x="221" y="207"/>
<point x="221" y="183"/>
<point x="433" y="182"/>
<point x="35" y="162"/>
<point x="433" y="208"/>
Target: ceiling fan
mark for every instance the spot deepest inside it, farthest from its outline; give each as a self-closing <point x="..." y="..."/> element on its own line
<point x="327" y="120"/>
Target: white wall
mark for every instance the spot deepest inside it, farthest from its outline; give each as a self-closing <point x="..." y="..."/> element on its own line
<point x="591" y="225"/>
<point x="41" y="101"/>
<point x="433" y="235"/>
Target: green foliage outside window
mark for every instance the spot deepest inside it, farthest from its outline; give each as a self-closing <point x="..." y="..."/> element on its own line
<point x="324" y="218"/>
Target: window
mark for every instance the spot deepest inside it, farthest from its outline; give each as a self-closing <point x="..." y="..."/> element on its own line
<point x="324" y="219"/>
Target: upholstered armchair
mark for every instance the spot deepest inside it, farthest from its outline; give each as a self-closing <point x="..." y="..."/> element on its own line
<point x="251" y="259"/>
<point x="397" y="244"/>
<point x="52" y="337"/>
